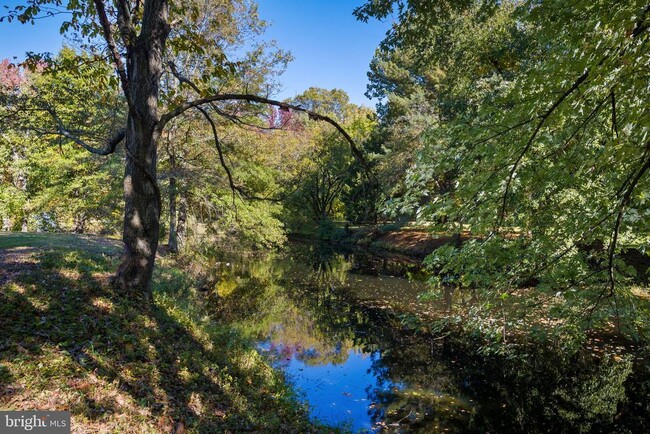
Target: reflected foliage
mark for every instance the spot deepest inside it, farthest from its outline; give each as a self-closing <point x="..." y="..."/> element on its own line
<point x="314" y="305"/>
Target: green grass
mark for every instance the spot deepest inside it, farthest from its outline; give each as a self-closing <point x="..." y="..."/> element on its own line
<point x="71" y="342"/>
<point x="87" y="243"/>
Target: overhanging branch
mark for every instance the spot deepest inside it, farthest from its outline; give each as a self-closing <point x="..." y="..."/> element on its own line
<point x="217" y="144"/>
<point x="110" y="147"/>
<point x="542" y="120"/>
<point x="222" y="160"/>
<point x="261" y="100"/>
<point x="248" y="98"/>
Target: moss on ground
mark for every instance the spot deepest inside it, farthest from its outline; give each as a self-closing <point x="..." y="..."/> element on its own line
<point x="71" y="342"/>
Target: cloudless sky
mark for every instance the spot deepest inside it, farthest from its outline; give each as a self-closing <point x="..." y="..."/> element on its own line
<point x="331" y="49"/>
<point x="16" y="38"/>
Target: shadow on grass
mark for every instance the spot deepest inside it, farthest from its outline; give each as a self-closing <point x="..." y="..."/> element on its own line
<point x="70" y="342"/>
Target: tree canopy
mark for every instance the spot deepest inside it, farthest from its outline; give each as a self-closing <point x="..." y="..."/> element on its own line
<point x="524" y="127"/>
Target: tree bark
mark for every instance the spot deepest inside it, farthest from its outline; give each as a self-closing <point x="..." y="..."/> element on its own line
<point x="141" y="193"/>
<point x="172" y="243"/>
<point x="141" y="210"/>
<point x="181" y="228"/>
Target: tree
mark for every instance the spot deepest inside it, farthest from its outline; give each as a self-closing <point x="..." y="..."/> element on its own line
<point x="137" y="37"/>
<point x="329" y="172"/>
<point x="234" y="33"/>
<point x="429" y="77"/>
<point x="551" y="158"/>
<point x="49" y="182"/>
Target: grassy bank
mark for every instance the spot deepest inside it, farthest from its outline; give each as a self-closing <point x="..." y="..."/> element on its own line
<point x="70" y="342"/>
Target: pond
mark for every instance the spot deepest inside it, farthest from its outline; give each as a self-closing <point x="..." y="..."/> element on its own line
<point x="339" y="325"/>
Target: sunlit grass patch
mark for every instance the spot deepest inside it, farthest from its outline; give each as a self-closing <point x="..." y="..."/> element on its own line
<point x="103" y="304"/>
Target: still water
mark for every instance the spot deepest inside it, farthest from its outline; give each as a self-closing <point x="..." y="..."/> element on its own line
<point x="339" y="325"/>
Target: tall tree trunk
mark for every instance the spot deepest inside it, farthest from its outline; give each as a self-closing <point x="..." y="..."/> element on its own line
<point x="141" y="209"/>
<point x="172" y="243"/>
<point x="181" y="230"/>
<point x="21" y="183"/>
<point x="141" y="192"/>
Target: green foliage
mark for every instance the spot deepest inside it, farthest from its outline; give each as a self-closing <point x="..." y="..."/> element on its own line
<point x="48" y="181"/>
<point x="326" y="229"/>
<point x="332" y="185"/>
<point x="529" y="133"/>
<point x="254" y="224"/>
<point x="335" y="102"/>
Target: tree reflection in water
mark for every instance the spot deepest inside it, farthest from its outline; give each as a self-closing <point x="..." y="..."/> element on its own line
<point x="322" y="316"/>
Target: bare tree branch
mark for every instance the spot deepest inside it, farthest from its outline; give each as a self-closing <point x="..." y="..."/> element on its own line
<point x="261" y="100"/>
<point x="110" y="147"/>
<point x="110" y="40"/>
<point x="233" y="118"/>
<point x="236" y="120"/>
<point x="217" y="144"/>
<point x="222" y="159"/>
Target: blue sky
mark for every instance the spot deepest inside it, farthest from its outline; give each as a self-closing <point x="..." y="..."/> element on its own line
<point x="331" y="48"/>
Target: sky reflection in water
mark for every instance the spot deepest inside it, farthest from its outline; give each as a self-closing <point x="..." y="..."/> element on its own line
<point x="338" y="393"/>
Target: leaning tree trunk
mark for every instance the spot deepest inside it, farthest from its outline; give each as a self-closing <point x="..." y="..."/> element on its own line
<point x="141" y="192"/>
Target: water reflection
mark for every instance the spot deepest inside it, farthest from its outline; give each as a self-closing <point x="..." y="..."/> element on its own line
<point x="329" y="320"/>
<point x="337" y="391"/>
